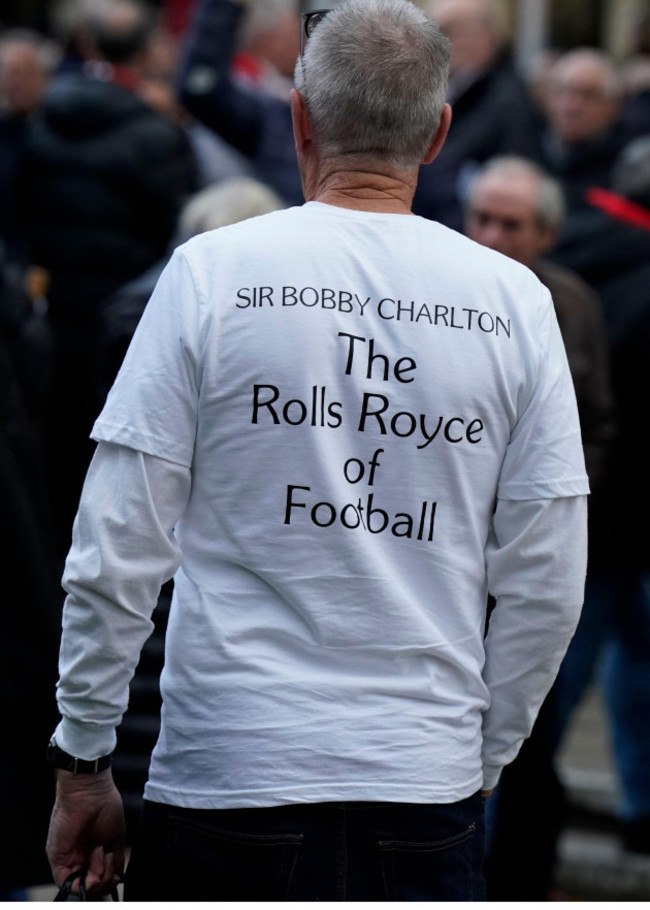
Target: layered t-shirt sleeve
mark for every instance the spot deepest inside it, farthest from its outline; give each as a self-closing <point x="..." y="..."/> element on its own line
<point x="123" y="540"/>
<point x="123" y="550"/>
<point x="536" y="560"/>
<point x="536" y="553"/>
<point x="544" y="458"/>
<point x="153" y="404"/>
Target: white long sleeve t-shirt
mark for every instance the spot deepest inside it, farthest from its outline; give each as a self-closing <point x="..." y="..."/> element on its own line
<point x="337" y="430"/>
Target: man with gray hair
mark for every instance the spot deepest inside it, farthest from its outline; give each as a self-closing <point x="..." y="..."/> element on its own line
<point x="516" y="208"/>
<point x="337" y="427"/>
<point x="583" y="133"/>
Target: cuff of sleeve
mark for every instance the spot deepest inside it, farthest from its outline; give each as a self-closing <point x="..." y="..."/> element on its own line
<point x="87" y="741"/>
<point x="491" y="775"/>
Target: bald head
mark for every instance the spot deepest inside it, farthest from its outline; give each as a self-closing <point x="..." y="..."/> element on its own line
<point x="472" y="27"/>
<point x="584" y="95"/>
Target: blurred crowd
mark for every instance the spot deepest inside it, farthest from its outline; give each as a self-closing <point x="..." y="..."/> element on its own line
<point x="126" y="130"/>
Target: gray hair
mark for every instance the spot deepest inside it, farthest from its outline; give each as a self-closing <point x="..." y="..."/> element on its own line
<point x="262" y="15"/>
<point x="226" y="203"/>
<point x="47" y="52"/>
<point x="550" y="204"/>
<point x="374" y="77"/>
<point x="612" y="80"/>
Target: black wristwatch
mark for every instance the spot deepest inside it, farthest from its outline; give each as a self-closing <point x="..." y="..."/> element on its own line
<point x="66" y="762"/>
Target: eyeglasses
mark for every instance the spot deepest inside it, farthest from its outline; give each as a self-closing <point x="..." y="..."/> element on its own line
<point x="309" y="23"/>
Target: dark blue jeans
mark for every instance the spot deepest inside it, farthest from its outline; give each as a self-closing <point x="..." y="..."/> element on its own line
<point x="350" y="851"/>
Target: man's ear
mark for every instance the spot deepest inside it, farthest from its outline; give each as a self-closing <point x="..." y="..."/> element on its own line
<point x="441" y="134"/>
<point x="300" y="119"/>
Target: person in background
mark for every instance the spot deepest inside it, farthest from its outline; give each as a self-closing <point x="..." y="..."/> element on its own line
<point x="227" y="202"/>
<point x="30" y="607"/>
<point x="27" y="61"/>
<point x="613" y="256"/>
<point x="269" y="46"/>
<point x="492" y="111"/>
<point x="635" y="75"/>
<point x="246" y="113"/>
<point x="517" y="208"/>
<point x="103" y="179"/>
<point x="230" y="202"/>
<point x="583" y="134"/>
<point x="71" y="24"/>
<point x="216" y="160"/>
<point x="334" y="477"/>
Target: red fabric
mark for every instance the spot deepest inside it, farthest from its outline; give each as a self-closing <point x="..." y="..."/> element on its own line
<point x="248" y="66"/>
<point x="177" y="14"/>
<point x="125" y="78"/>
<point x="619" y="207"/>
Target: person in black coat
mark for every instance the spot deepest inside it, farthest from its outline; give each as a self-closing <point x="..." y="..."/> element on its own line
<point x="27" y="61"/>
<point x="104" y="177"/>
<point x="613" y="255"/>
<point x="517" y="209"/>
<point x="30" y="607"/>
<point x="492" y="112"/>
<point x="584" y="133"/>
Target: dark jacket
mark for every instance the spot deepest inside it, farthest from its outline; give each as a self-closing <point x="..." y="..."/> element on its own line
<point x="103" y="181"/>
<point x="12" y="135"/>
<point x="493" y="116"/>
<point x="30" y="617"/>
<point x="582" y="164"/>
<point x="580" y="317"/>
<point x="613" y="256"/>
<point x="256" y="123"/>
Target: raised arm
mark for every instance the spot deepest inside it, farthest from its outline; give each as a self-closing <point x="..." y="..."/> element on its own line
<point x="205" y="84"/>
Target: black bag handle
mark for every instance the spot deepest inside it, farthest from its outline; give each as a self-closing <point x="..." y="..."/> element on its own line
<point x="65" y="891"/>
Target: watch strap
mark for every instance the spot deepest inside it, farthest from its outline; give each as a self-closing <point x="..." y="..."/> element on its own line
<point x="58" y="758"/>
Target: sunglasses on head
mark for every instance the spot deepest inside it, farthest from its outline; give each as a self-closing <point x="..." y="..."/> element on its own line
<point x="308" y="24"/>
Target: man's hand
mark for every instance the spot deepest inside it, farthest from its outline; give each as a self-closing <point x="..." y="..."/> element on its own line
<point x="87" y="830"/>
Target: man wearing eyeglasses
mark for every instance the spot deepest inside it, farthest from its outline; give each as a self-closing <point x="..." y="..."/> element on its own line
<point x="338" y="427"/>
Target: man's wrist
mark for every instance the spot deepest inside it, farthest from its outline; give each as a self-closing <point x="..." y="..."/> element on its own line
<point x="63" y="761"/>
<point x="85" y="739"/>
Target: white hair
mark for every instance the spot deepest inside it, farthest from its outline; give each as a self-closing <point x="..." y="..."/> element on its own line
<point x="550" y="207"/>
<point x="612" y="80"/>
<point x="374" y="77"/>
<point x="47" y="52"/>
<point x="227" y="203"/>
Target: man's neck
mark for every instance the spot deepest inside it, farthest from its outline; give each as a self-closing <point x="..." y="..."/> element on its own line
<point x="372" y="190"/>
